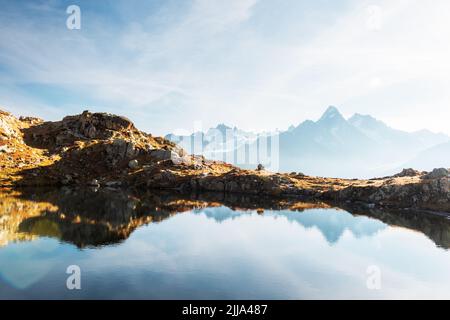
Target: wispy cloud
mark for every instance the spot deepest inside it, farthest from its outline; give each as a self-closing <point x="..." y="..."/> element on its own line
<point x="255" y="64"/>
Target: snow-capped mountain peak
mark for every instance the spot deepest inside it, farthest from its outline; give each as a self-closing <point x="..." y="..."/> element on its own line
<point x="332" y="113"/>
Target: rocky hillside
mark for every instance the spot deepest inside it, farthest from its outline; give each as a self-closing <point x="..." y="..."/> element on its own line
<point x="87" y="149"/>
<point x="107" y="151"/>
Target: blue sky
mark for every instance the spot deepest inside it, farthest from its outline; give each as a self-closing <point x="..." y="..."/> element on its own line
<point x="257" y="64"/>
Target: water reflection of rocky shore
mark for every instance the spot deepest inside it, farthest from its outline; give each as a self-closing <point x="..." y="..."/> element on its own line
<point x="90" y="218"/>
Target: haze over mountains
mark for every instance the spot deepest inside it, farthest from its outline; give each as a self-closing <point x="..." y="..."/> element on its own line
<point x="358" y="147"/>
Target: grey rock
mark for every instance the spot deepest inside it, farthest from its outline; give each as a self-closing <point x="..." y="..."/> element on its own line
<point x="90" y="132"/>
<point x="437" y="174"/>
<point x="162" y="154"/>
<point x="121" y="149"/>
<point x="177" y="160"/>
<point x="133" y="164"/>
<point x="175" y="157"/>
<point x="409" y="172"/>
<point x="131" y="150"/>
<point x="179" y="151"/>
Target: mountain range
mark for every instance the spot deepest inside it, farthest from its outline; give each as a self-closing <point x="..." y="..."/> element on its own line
<point x="360" y="146"/>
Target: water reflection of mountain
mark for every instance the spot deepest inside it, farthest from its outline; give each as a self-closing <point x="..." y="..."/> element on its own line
<point x="88" y="217"/>
<point x="331" y="223"/>
<point x="219" y="214"/>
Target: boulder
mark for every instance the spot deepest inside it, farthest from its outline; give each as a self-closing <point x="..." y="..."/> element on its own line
<point x="161" y="154"/>
<point x="177" y="160"/>
<point x="437" y="174"/>
<point x="96" y="125"/>
<point x="90" y="132"/>
<point x="121" y="149"/>
<point x="133" y="164"/>
<point x="409" y="172"/>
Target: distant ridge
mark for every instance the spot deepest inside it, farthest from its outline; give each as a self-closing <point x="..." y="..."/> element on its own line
<point x="361" y="146"/>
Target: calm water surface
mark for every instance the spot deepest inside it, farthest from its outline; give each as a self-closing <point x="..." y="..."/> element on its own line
<point x="157" y="247"/>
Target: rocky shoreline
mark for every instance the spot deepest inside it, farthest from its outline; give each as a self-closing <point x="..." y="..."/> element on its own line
<point x="107" y="151"/>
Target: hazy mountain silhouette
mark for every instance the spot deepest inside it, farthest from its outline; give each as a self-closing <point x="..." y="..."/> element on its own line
<point x="324" y="147"/>
<point x="361" y="146"/>
<point x="436" y="156"/>
<point x="396" y="140"/>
